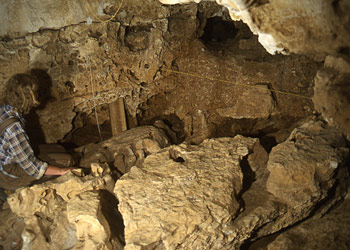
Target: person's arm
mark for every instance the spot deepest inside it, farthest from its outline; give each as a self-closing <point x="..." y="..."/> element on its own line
<point x="24" y="155"/>
<point x="52" y="170"/>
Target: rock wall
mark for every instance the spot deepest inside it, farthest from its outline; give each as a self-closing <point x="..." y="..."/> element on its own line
<point x="21" y="17"/>
<point x="82" y="65"/>
<point x="308" y="27"/>
<point x="332" y="92"/>
<point x="315" y="28"/>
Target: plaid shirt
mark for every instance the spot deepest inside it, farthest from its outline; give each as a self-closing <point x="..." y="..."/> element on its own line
<point x="15" y="147"/>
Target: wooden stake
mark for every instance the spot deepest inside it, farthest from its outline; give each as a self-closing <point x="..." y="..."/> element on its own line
<point x="118" y="117"/>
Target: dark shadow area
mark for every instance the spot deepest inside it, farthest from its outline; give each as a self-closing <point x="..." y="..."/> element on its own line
<point x="344" y="51"/>
<point x="270" y="131"/>
<point x="217" y="30"/>
<point x="137" y="37"/>
<point x="173" y="122"/>
<point x="268" y="142"/>
<point x="85" y="132"/>
<point x="248" y="174"/>
<point x="248" y="179"/>
<point x="109" y="207"/>
<point x="33" y="127"/>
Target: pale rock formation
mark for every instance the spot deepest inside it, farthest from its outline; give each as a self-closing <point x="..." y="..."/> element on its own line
<point x="302" y="169"/>
<point x="21" y="17"/>
<point x="271" y="202"/>
<point x="170" y="201"/>
<point x="127" y="149"/>
<point x="183" y="196"/>
<point x="65" y="213"/>
<point x="11" y="228"/>
<point x="92" y="229"/>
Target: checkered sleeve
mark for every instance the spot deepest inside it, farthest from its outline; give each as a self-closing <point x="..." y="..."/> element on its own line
<point x="22" y="152"/>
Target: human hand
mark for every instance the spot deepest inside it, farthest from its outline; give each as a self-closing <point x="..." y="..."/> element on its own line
<point x="65" y="170"/>
<point x="52" y="170"/>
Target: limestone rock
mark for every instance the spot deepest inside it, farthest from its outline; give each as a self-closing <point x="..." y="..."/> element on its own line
<point x="332" y="91"/>
<point x="24" y="17"/>
<point x="63" y="49"/>
<point x="126" y="149"/>
<point x="56" y="127"/>
<point x="184" y="195"/>
<point x="302" y="169"/>
<point x="92" y="229"/>
<point x="306" y="27"/>
<point x="165" y="37"/>
<point x="11" y="228"/>
<point x="280" y="196"/>
<point x="329" y="232"/>
<point x="251" y="103"/>
<point x="66" y="213"/>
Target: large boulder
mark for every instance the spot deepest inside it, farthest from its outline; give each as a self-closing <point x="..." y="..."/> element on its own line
<point x="183" y="196"/>
<point x="223" y="192"/>
<point x="67" y="213"/>
<point x="303" y="168"/>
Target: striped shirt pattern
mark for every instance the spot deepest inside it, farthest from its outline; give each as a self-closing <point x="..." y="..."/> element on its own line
<point x="15" y="147"/>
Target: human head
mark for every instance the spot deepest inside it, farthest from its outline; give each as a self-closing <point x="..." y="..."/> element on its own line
<point x="21" y="92"/>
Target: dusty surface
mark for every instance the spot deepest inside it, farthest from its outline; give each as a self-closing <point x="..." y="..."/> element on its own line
<point x="214" y="108"/>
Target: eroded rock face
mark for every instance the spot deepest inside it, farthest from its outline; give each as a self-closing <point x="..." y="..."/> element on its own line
<point x="127" y="149"/>
<point x="82" y="65"/>
<point x="328" y="232"/>
<point x="215" y="195"/>
<point x="127" y="57"/>
<point x="168" y="205"/>
<point x="332" y="92"/>
<point x="306" y="27"/>
<point x="183" y="195"/>
<point x="302" y="168"/>
<point x="65" y="213"/>
<point x="21" y="17"/>
<point x="11" y="228"/>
